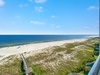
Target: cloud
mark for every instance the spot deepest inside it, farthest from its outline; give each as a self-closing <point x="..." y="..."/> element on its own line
<point x="39" y="9"/>
<point x="30" y="0"/>
<point x="17" y="16"/>
<point x="53" y="16"/>
<point x="37" y="22"/>
<point x="23" y="5"/>
<point x="55" y="26"/>
<point x="12" y="22"/>
<point x="40" y="1"/>
<point x="85" y="27"/>
<point x="2" y="3"/>
<point x="92" y="8"/>
<point x="1" y="9"/>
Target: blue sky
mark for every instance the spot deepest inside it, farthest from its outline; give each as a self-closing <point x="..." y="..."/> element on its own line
<point x="49" y="16"/>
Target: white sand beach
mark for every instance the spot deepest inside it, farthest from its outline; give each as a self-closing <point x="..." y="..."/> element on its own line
<point x="36" y="47"/>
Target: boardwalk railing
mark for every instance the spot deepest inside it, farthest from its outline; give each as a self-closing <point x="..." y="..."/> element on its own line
<point x="28" y="71"/>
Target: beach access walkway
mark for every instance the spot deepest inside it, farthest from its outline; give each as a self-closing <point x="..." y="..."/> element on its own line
<point x="28" y="71"/>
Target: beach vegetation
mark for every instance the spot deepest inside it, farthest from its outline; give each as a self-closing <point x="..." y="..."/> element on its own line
<point x="57" y="60"/>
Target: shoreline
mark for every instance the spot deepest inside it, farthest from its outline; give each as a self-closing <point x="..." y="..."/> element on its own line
<point x="36" y="42"/>
<point x="41" y="42"/>
<point x="36" y="47"/>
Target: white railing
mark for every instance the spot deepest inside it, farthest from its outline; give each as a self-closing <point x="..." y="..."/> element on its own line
<point x="95" y="69"/>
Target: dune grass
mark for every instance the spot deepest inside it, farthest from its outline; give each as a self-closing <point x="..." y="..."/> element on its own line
<point x="57" y="60"/>
<point x="11" y="66"/>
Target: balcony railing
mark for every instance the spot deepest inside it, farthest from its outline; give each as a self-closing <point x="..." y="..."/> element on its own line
<point x="95" y="70"/>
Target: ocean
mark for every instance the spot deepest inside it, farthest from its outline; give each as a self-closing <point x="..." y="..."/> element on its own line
<point x="12" y="40"/>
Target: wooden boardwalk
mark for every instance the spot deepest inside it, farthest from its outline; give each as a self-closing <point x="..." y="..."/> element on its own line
<point x="28" y="71"/>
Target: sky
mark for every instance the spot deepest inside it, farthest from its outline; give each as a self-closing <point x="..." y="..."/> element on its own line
<point x="49" y="17"/>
